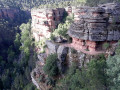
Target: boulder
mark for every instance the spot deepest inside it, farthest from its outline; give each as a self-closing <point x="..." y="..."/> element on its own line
<point x="62" y="53"/>
<point x="52" y="46"/>
<point x="58" y="39"/>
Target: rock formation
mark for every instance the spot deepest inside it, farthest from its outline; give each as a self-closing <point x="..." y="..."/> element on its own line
<point x="52" y="47"/>
<point x="94" y="25"/>
<point x="91" y="29"/>
<point x="45" y="20"/>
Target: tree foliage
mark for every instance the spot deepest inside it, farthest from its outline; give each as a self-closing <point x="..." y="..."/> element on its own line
<point x="62" y="28"/>
<point x="15" y="68"/>
<point x="113" y="72"/>
<point x="92" y="78"/>
<point x="26" y="39"/>
<point x="96" y="2"/>
<point x="28" y="4"/>
<point x="50" y="67"/>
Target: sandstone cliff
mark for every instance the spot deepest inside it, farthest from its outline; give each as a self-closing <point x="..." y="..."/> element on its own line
<point x="92" y="27"/>
<point x="44" y="21"/>
<point x="97" y="23"/>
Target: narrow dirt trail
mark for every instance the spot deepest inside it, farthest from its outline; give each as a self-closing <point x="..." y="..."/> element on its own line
<point x="83" y="50"/>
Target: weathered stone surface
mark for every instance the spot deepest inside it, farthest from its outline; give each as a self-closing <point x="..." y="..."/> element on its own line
<point x="97" y="31"/>
<point x="62" y="53"/>
<point x="45" y="20"/>
<point x="58" y="39"/>
<point x="116" y="35"/>
<point x="97" y="10"/>
<point x="96" y="37"/>
<point x="83" y="36"/>
<point x="52" y="46"/>
<point x="97" y="23"/>
<point x="80" y="58"/>
<point x="110" y="37"/>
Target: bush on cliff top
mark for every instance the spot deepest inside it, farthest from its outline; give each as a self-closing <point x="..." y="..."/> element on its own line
<point x="62" y="28"/>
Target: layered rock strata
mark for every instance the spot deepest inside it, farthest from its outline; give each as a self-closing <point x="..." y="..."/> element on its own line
<point x="45" y="20"/>
<point x="94" y="25"/>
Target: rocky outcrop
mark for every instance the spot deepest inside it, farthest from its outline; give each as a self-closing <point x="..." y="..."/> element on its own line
<point x="97" y="23"/>
<point x="94" y="26"/>
<point x="62" y="56"/>
<point x="80" y="58"/>
<point x="91" y="29"/>
<point x="62" y="53"/>
<point x="45" y="20"/>
<point x="59" y="39"/>
<point x="52" y="46"/>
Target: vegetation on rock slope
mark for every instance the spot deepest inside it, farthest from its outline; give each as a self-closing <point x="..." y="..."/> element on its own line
<point x="16" y="68"/>
<point x="100" y="74"/>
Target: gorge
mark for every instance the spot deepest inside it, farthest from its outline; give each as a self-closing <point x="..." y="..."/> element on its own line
<point x="59" y="45"/>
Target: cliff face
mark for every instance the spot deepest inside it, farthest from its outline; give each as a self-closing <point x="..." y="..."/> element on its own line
<point x="46" y="20"/>
<point x="94" y="26"/>
<point x="97" y="23"/>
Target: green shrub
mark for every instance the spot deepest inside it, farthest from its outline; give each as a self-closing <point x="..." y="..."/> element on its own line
<point x="113" y="72"/>
<point x="73" y="51"/>
<point x="106" y="45"/>
<point x="91" y="78"/>
<point x="118" y="48"/>
<point x="62" y="29"/>
<point x="40" y="79"/>
<point x="50" y="67"/>
<point x="50" y="81"/>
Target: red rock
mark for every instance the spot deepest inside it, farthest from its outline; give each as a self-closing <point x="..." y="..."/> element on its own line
<point x="52" y="18"/>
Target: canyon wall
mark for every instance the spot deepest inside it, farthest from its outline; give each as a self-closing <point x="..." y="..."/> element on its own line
<point x="46" y="20"/>
<point x="97" y="23"/>
<point x="93" y="26"/>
